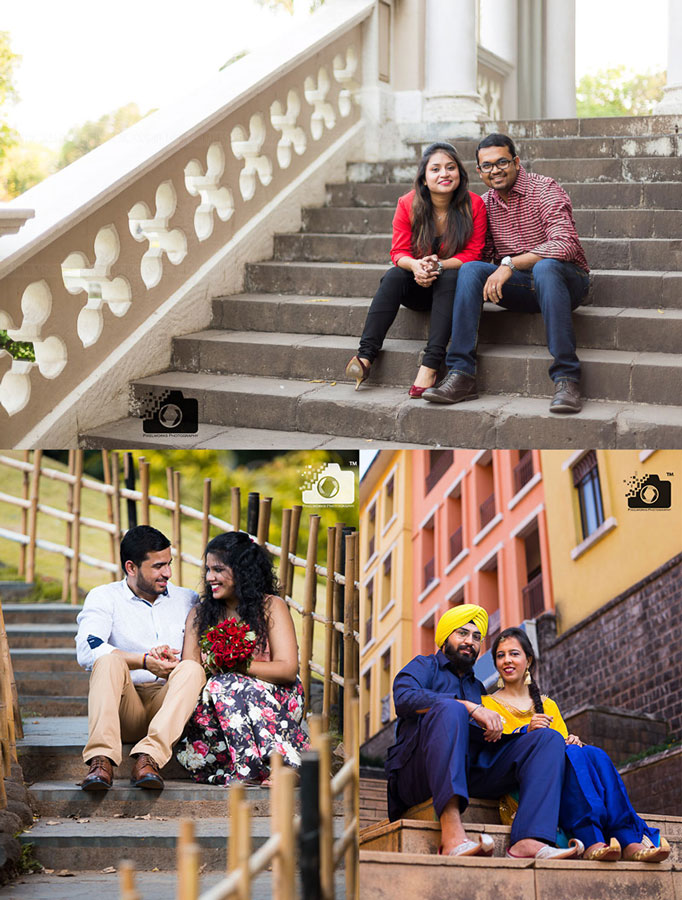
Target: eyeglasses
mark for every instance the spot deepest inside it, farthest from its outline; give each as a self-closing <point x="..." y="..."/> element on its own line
<point x="501" y="164"/>
<point x="475" y="636"/>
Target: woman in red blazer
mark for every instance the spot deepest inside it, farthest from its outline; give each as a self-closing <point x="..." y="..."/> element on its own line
<point x="437" y="226"/>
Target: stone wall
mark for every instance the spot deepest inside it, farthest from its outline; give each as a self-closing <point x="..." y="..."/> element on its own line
<point x="627" y="654"/>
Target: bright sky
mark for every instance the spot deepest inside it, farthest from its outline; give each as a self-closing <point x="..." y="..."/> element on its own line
<point x="83" y="59"/>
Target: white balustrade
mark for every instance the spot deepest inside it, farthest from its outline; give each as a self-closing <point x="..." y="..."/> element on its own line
<point x="292" y="134"/>
<point x="207" y="185"/>
<point x="156" y="230"/>
<point x="248" y="149"/>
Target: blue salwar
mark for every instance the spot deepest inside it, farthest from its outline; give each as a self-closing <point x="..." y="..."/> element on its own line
<point x="594" y="802"/>
<point x="438" y="753"/>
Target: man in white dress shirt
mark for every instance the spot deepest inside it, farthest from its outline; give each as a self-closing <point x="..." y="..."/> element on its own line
<point x="130" y="634"/>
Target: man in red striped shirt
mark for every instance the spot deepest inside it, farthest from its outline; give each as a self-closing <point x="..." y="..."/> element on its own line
<point x="538" y="265"/>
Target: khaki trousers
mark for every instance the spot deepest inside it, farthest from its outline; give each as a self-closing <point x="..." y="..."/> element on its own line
<point x="153" y="714"/>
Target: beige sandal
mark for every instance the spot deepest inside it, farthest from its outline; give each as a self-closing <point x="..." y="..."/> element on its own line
<point x="608" y="853"/>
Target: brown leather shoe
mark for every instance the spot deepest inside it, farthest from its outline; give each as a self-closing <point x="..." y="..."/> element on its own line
<point x="454" y="388"/>
<point x="101" y="775"/>
<point x="566" y="398"/>
<point x="146" y="774"/>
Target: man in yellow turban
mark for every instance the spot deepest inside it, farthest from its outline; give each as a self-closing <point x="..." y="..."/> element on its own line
<point x="448" y="746"/>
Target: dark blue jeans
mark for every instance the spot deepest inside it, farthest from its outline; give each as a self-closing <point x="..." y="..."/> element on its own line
<point x="555" y="289"/>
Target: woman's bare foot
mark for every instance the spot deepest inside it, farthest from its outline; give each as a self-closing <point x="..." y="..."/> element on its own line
<point x="426" y="377"/>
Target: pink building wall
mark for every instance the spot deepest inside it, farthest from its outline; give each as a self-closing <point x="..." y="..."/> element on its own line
<point x="503" y="538"/>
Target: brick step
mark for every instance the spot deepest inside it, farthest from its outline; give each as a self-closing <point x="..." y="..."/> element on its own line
<point x="662" y="254"/>
<point x="598" y="195"/>
<point x="59" y="659"/>
<point x="432" y="877"/>
<point x="44" y="684"/>
<point x="380" y="413"/>
<point x="510" y="368"/>
<point x="38" y="635"/>
<point x="591" y="223"/>
<point x="420" y="836"/>
<point x="43" y="613"/>
<point x="619" y="288"/>
<point x="42" y="705"/>
<point x="597" y="327"/>
<point x="582" y="171"/>
<point x="55" y="799"/>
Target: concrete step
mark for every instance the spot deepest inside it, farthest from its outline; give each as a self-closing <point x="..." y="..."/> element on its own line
<point x="60" y="659"/>
<point x="591" y="223"/>
<point x="419" y="836"/>
<point x="150" y="844"/>
<point x="41" y="705"/>
<point x="596" y="327"/>
<point x="61" y="799"/>
<point x="624" y="126"/>
<point x="433" y="877"/>
<point x="52" y="747"/>
<point x="622" y="375"/>
<point x="597" y="195"/>
<point x="37" y="635"/>
<point x="38" y="613"/>
<point x="572" y="169"/>
<point x="14" y="592"/>
<point x="573" y="147"/>
<point x="320" y="281"/>
<point x="44" y="684"/>
<point x="662" y="254"/>
<point x="380" y="413"/>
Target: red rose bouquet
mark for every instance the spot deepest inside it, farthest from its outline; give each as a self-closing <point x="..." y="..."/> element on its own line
<point x="226" y="645"/>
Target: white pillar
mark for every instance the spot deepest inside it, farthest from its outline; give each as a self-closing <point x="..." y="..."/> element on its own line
<point x="559" y="76"/>
<point x="671" y="103"/>
<point x="450" y="93"/>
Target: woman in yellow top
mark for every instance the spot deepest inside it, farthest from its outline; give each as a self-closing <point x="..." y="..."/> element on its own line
<point x="595" y="807"/>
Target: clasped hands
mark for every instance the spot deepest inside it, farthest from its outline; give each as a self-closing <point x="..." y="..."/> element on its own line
<point x="162" y="660"/>
<point x="541" y="720"/>
<point x="425" y="270"/>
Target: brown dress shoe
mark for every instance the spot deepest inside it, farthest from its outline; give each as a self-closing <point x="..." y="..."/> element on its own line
<point x="146" y="774"/>
<point x="566" y="398"/>
<point x="101" y="775"/>
<point x="454" y="388"/>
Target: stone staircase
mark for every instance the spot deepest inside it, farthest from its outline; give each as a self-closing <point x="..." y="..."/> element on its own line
<point x="270" y="369"/>
<point x="407" y="851"/>
<point x="88" y="832"/>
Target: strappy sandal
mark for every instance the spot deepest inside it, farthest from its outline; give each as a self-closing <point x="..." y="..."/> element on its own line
<point x="575" y="848"/>
<point x="358" y="370"/>
<point x="484" y="846"/>
<point x="651" y="853"/>
<point x="608" y="853"/>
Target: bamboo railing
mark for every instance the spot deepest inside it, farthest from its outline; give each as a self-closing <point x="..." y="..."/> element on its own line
<point x="10" y="718"/>
<point x="280" y="849"/>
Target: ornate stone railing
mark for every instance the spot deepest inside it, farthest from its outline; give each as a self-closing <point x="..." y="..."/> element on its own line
<point x="129" y="243"/>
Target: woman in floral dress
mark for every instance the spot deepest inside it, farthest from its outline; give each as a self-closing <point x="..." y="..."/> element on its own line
<point x="244" y="716"/>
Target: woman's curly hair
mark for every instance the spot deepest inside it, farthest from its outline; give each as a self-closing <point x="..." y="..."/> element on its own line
<point x="520" y="635"/>
<point x="254" y="580"/>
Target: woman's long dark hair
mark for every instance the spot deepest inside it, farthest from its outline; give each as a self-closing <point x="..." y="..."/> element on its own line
<point x="254" y="580"/>
<point x="520" y="635"/>
<point x="459" y="223"/>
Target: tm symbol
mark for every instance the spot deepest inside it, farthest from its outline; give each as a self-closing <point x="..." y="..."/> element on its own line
<point x="669" y="474"/>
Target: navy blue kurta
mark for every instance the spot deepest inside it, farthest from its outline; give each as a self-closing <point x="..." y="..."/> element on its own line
<point x="440" y="753"/>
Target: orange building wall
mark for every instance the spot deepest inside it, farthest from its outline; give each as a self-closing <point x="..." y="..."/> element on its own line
<point x="491" y="569"/>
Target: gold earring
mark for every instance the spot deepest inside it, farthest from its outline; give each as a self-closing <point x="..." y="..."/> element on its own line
<point x="527" y="679"/>
<point x="500" y="682"/>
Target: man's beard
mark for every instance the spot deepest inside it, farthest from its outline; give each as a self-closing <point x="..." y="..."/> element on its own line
<point x="461" y="662"/>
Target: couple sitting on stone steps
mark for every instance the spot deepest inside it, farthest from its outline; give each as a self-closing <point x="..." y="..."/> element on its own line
<point x="143" y="688"/>
<point x="517" y="247"/>
<point x="452" y="740"/>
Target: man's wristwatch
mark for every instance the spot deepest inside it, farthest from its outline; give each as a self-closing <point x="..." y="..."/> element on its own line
<point x="507" y="261"/>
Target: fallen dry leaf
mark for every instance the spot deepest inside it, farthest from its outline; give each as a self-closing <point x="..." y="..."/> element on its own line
<point x="48" y="871"/>
<point x="156" y="869"/>
<point x="161" y="818"/>
<point x="119" y="816"/>
<point x="147" y="818"/>
<point x="318" y="300"/>
<point x="110" y="870"/>
<point x="52" y="823"/>
<point x="202" y="868"/>
<point x="64" y="873"/>
<point x="82" y="821"/>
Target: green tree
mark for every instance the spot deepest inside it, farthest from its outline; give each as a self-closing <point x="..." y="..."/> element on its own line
<point x="289" y="4"/>
<point x="8" y="92"/>
<point x="84" y="138"/>
<point x="24" y="165"/>
<point x="619" y="92"/>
